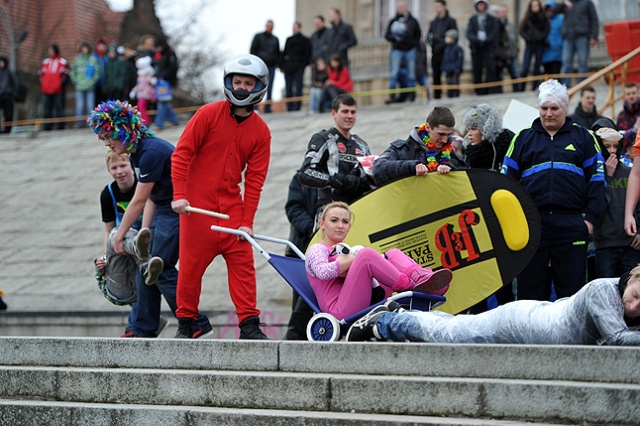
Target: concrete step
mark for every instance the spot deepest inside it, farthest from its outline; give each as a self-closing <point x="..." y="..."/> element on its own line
<point x="540" y="400"/>
<point x="590" y="385"/>
<point x="54" y="413"/>
<point x="574" y="363"/>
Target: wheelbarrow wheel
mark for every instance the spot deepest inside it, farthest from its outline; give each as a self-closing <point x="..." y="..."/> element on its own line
<point x="323" y="328"/>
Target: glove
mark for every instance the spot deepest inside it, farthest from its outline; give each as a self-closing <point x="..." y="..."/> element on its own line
<point x="347" y="183"/>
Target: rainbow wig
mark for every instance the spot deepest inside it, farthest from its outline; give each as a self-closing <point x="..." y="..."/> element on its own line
<point x="121" y="120"/>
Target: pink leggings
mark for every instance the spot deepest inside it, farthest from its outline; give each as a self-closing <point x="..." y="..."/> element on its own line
<point x="143" y="107"/>
<point x="356" y="290"/>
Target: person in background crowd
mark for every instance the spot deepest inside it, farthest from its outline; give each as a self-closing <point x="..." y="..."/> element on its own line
<point x="85" y="72"/>
<point x="165" y="63"/>
<point x="452" y="62"/>
<point x="129" y="55"/>
<point x="295" y="58"/>
<point x="534" y="29"/>
<point x="552" y="55"/>
<point x="319" y="40"/>
<point x="628" y="117"/>
<point x="435" y="37"/>
<point x="114" y="75"/>
<point x="339" y="81"/>
<point x="319" y="76"/>
<point x="482" y="33"/>
<point x="404" y="34"/>
<point x="579" y="31"/>
<point x="100" y="53"/>
<point x="341" y="36"/>
<point x="54" y="74"/>
<point x="9" y="83"/>
<point x="266" y="46"/>
<point x="586" y="112"/>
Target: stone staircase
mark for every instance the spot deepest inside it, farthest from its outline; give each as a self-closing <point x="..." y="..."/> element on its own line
<point x="95" y="381"/>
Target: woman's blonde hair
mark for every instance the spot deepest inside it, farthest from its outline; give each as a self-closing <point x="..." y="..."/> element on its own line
<point x="339" y="204"/>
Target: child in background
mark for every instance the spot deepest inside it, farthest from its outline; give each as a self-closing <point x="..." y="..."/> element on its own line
<point x="143" y="90"/>
<point x="318" y="77"/>
<point x="616" y="252"/>
<point x="452" y="61"/>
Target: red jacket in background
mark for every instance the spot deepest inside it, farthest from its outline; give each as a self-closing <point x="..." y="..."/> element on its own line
<point x="53" y="73"/>
<point x="341" y="79"/>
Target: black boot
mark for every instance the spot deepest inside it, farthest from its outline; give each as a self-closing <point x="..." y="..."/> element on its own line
<point x="392" y="99"/>
<point x="250" y="329"/>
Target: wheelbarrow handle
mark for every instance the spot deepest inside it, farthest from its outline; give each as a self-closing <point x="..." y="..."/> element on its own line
<point x="207" y="212"/>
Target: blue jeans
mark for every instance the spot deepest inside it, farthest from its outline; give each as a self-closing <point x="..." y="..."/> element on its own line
<point x="612" y="262"/>
<point x="529" y="53"/>
<point x="164" y="244"/>
<point x="397" y="57"/>
<point x="85" y="102"/>
<point x="569" y="49"/>
<point x="165" y="112"/>
<point x="315" y="94"/>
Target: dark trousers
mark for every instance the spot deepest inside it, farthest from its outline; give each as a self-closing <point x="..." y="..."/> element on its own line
<point x="53" y="106"/>
<point x="612" y="262"/>
<point x="436" y="66"/>
<point x="272" y="76"/>
<point x="6" y="105"/>
<point x="563" y="247"/>
<point x="483" y="63"/>
<point x="293" y="81"/>
<point x="453" y="79"/>
<point x="301" y="314"/>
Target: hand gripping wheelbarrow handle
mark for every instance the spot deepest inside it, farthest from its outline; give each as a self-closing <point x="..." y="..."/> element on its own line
<point x="207" y="212"/>
<point x="255" y="237"/>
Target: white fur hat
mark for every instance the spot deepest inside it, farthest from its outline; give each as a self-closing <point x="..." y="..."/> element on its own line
<point x="551" y="91"/>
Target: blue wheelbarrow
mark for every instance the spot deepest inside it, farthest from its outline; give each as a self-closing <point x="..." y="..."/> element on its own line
<point x="324" y="327"/>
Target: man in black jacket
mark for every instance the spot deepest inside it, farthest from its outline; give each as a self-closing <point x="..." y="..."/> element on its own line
<point x="482" y="33"/>
<point x="586" y="112"/>
<point x="341" y="37"/>
<point x="319" y="40"/>
<point x="403" y="32"/>
<point x="435" y="37"/>
<point x="295" y="58"/>
<point x="266" y="46"/>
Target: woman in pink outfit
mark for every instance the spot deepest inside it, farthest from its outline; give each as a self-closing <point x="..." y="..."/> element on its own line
<point x="343" y="281"/>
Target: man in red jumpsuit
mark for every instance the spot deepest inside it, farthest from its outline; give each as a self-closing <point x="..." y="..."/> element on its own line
<point x="221" y="140"/>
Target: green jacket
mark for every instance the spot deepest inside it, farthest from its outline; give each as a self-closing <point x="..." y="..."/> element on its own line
<point x="85" y="72"/>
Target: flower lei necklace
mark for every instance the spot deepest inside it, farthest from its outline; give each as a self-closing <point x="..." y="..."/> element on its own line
<point x="432" y="151"/>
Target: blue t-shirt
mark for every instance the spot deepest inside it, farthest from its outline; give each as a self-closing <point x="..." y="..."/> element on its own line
<point x="152" y="163"/>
